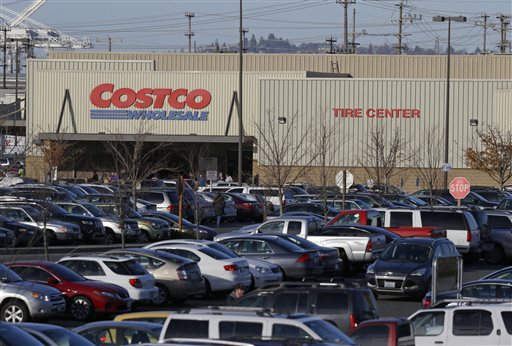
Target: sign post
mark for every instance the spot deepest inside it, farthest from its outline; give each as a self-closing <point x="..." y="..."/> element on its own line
<point x="344" y="180"/>
<point x="211" y="175"/>
<point x="459" y="188"/>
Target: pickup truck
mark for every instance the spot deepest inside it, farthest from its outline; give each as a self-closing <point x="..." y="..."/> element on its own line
<point x="382" y="218"/>
<point x="354" y="246"/>
<point x="458" y="226"/>
<point x="384" y="331"/>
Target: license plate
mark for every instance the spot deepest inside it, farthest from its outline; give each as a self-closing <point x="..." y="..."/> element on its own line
<point x="389" y="284"/>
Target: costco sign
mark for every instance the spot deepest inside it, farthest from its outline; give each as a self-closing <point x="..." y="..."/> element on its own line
<point x="149" y="103"/>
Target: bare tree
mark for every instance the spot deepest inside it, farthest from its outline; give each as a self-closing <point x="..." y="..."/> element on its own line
<point x="136" y="159"/>
<point x="326" y="149"/>
<point x="428" y="160"/>
<point x="494" y="154"/>
<point x="384" y="156"/>
<point x="285" y="156"/>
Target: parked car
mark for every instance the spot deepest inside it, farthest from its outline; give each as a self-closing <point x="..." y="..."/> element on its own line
<point x="145" y="316"/>
<point x="12" y="335"/>
<point x="111" y="223"/>
<point x="246" y="208"/>
<point x="344" y="307"/>
<point x="350" y="204"/>
<point x="225" y="324"/>
<point x="384" y="331"/>
<point x="85" y="298"/>
<point x="472" y="199"/>
<point x="52" y="335"/>
<point x="167" y="199"/>
<point x="7" y="238"/>
<point x="501" y="274"/>
<point x="500" y="233"/>
<point x="436" y="201"/>
<point x="294" y="261"/>
<point x="22" y="300"/>
<point x="56" y="231"/>
<point x="230" y="211"/>
<point x="176" y="278"/>
<point x="120" y="332"/>
<point x="221" y="272"/>
<point x="262" y="272"/>
<point x="476" y="290"/>
<point x="311" y="207"/>
<point x="25" y="235"/>
<point x="405" y="266"/>
<point x="467" y="324"/>
<point x="122" y="271"/>
<point x="188" y="229"/>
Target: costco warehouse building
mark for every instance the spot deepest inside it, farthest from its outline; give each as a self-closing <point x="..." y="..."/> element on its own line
<point x="86" y="97"/>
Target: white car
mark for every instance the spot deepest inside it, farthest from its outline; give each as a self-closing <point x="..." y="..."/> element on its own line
<point x="122" y="271"/>
<point x="221" y="272"/>
<point x="469" y="324"/>
<point x="263" y="272"/>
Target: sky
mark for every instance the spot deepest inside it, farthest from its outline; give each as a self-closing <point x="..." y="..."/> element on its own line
<point x="160" y="25"/>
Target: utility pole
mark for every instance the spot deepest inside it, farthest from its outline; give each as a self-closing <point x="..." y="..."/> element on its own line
<point x="484" y="25"/>
<point x="189" y="33"/>
<point x="331" y="40"/>
<point x="345" y="4"/>
<point x="353" y="44"/>
<point x="5" y="29"/>
<point x="400" y="22"/>
<point x="244" y="48"/>
<point x="109" y="41"/>
<point x="504" y="20"/>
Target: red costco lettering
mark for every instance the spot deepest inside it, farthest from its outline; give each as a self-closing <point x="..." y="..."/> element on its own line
<point x="105" y="96"/>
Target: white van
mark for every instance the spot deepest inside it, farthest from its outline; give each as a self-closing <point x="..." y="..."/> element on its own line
<point x="231" y="323"/>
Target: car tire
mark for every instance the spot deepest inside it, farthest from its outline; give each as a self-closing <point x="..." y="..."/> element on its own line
<point x="14" y="311"/>
<point x="81" y="308"/>
<point x="346" y="266"/>
<point x="495" y="256"/>
<point x="162" y="297"/>
<point x="207" y="288"/>
<point x="144" y="237"/>
<point x="110" y="237"/>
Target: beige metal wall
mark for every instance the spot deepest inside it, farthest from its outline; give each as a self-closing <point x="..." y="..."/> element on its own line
<point x="359" y="66"/>
<point x="90" y="65"/>
<point x="313" y="100"/>
<point x="46" y="90"/>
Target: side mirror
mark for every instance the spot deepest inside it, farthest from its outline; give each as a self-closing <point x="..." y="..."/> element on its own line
<point x="53" y="281"/>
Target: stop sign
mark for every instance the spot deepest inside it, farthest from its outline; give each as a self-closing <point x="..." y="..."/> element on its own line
<point x="459" y="187"/>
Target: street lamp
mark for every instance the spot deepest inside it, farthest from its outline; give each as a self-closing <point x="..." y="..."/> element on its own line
<point x="447" y="118"/>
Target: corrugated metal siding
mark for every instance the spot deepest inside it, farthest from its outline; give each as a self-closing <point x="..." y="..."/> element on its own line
<point x="91" y="65"/>
<point x="47" y="89"/>
<point x="313" y="100"/>
<point x="360" y="66"/>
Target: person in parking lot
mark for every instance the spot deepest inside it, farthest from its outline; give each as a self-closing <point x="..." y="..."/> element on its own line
<point x="237" y="293"/>
<point x="201" y="180"/>
<point x="219" y="204"/>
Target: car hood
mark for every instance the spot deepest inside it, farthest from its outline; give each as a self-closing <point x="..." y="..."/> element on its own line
<point x="75" y="218"/>
<point x="32" y="286"/>
<point x="253" y="262"/>
<point x="235" y="234"/>
<point x="397" y="267"/>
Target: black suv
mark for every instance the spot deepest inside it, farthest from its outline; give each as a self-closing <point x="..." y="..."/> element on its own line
<point x="342" y="306"/>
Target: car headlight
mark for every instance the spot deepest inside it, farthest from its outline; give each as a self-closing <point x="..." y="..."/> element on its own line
<point x="418" y="272"/>
<point x="63" y="229"/>
<point x="155" y="225"/>
<point x="88" y="223"/>
<point x="262" y="270"/>
<point x="370" y="269"/>
<point x="40" y="296"/>
<point x="3" y="235"/>
<point x="106" y="294"/>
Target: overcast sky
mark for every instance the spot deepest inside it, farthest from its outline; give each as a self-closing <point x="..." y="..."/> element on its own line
<point x="160" y="25"/>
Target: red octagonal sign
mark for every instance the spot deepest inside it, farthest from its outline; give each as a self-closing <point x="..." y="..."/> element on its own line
<point x="459" y="187"/>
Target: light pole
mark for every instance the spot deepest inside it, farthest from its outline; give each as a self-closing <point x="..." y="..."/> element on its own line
<point x="240" y="83"/>
<point x="447" y="101"/>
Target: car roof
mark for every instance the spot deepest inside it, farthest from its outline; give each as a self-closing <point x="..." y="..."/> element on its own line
<point x="136" y="324"/>
<point x="418" y="240"/>
<point x="295" y="218"/>
<point x="97" y="257"/>
<point x="142" y="314"/>
<point x="39" y="326"/>
<point x="489" y="282"/>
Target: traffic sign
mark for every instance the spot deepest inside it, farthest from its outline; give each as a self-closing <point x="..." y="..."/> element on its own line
<point x="446" y="167"/>
<point x="211" y="175"/>
<point x="349" y="179"/>
<point x="459" y="187"/>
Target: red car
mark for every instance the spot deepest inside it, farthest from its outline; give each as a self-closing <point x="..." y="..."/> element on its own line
<point x="84" y="297"/>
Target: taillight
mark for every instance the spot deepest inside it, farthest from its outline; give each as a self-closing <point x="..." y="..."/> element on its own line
<point x="426" y="303"/>
<point x="247" y="205"/>
<point x="369" y="246"/>
<point x="171" y="207"/>
<point x="182" y="273"/>
<point x="230" y="267"/>
<point x="304" y="258"/>
<point x="469" y="236"/>
<point x="135" y="283"/>
<point x="323" y="257"/>
<point x="353" y="322"/>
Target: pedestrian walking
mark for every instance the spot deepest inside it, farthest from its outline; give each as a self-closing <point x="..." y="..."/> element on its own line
<point x="218" y="205"/>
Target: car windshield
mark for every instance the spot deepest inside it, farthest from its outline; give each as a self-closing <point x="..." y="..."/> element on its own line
<point x="7" y="275"/>
<point x="130" y="267"/>
<point x="94" y="210"/>
<point x="406" y="253"/>
<point x="66" y="274"/>
<point x="224" y="249"/>
<point x="64" y="337"/>
<point x="328" y="332"/>
<point x="34" y="213"/>
<point x="57" y="210"/>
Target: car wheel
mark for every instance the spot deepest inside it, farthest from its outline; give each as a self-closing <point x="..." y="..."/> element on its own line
<point x="144" y="237"/>
<point x="496" y="256"/>
<point x="81" y="308"/>
<point x="162" y="297"/>
<point x="207" y="287"/>
<point x="14" y="311"/>
<point x="110" y="237"/>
